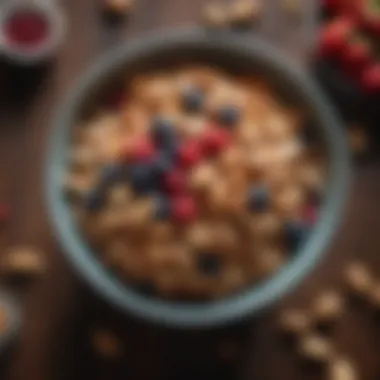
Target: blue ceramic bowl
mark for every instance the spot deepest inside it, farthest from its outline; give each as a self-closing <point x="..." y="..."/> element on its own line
<point x="237" y="54"/>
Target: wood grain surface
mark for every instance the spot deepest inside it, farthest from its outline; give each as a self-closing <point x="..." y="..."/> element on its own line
<point x="58" y="311"/>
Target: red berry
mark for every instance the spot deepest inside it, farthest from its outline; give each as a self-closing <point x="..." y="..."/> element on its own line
<point x="184" y="209"/>
<point x="331" y="5"/>
<point x="175" y="181"/>
<point x="214" y="140"/>
<point x="334" y="37"/>
<point x="355" y="57"/>
<point x="370" y="79"/>
<point x="189" y="154"/>
<point x="139" y="150"/>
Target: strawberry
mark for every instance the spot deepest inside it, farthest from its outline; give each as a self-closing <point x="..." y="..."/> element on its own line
<point x="334" y="37"/>
<point x="331" y="5"/>
<point x="355" y="57"/>
<point x="343" y="7"/>
<point x="370" y="79"/>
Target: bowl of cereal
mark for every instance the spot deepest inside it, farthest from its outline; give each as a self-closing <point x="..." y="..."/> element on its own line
<point x="194" y="178"/>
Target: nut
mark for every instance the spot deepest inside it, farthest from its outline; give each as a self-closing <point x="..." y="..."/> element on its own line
<point x="294" y="321"/>
<point x="328" y="307"/>
<point x="214" y="15"/>
<point x="118" y="7"/>
<point x="75" y="186"/>
<point x="269" y="260"/>
<point x="82" y="157"/>
<point x="358" y="279"/>
<point x="315" y="348"/>
<point x="200" y="236"/>
<point x="244" y="12"/>
<point x="202" y="177"/>
<point x="342" y="369"/>
<point x="23" y="262"/>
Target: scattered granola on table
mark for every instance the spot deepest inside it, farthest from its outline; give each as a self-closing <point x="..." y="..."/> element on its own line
<point x="22" y="262"/>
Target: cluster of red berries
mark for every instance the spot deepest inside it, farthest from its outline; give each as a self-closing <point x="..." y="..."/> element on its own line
<point x="166" y="172"/>
<point x="349" y="39"/>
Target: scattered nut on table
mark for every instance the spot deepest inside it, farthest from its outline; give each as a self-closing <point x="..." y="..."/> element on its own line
<point x="214" y="15"/>
<point x="328" y="307"/>
<point x="106" y="344"/>
<point x="316" y="348"/>
<point x="342" y="369"/>
<point x="118" y="7"/>
<point x="22" y="262"/>
<point x="294" y="321"/>
<point x="244" y="12"/>
<point x="358" y="279"/>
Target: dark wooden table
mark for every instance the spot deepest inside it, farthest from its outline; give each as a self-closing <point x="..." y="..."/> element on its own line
<point x="59" y="313"/>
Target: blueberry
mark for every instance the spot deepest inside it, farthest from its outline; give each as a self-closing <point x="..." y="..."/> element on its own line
<point x="258" y="198"/>
<point x="94" y="200"/>
<point x="228" y="116"/>
<point x="209" y="263"/>
<point x="162" y="207"/>
<point x="143" y="177"/>
<point x="163" y="134"/>
<point x="163" y="163"/>
<point x="295" y="233"/>
<point x="192" y="100"/>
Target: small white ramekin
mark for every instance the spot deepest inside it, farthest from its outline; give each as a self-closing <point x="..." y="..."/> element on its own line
<point x="43" y="52"/>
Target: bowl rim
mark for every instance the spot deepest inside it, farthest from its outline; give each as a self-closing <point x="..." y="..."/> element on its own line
<point x="227" y="310"/>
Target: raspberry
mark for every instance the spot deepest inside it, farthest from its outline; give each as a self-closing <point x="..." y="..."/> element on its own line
<point x="175" y="181"/>
<point x="334" y="38"/>
<point x="184" y="209"/>
<point x="214" y="140"/>
<point x="141" y="150"/>
<point x="189" y="154"/>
